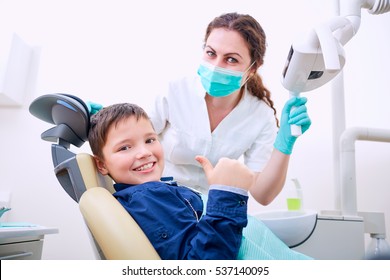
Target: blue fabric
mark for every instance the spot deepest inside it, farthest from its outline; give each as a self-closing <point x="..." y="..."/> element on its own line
<point x="260" y="243"/>
<point x="172" y="218"/>
<point x="166" y="213"/>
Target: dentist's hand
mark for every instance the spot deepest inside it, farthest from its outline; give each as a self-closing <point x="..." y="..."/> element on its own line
<point x="93" y="108"/>
<point x="228" y="172"/>
<point x="284" y="140"/>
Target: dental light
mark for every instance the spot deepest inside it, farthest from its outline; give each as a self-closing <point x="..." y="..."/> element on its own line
<point x="313" y="60"/>
<point x="318" y="56"/>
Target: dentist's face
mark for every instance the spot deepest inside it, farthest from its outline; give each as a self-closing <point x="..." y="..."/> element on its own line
<point x="132" y="153"/>
<point x="227" y="49"/>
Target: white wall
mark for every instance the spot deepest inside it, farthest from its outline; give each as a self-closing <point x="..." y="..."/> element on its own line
<point x="115" y="51"/>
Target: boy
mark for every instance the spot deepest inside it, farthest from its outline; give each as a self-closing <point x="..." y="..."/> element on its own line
<point x="126" y="147"/>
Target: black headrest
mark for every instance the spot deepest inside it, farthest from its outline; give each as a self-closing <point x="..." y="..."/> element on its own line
<point x="68" y="112"/>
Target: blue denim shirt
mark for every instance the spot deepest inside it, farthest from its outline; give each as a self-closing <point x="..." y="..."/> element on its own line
<point x="172" y="218"/>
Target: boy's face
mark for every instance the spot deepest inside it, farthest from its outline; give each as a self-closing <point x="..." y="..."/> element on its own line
<point x="132" y="153"/>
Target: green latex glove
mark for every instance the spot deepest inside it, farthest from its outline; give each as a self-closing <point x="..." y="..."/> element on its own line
<point x="284" y="140"/>
<point x="93" y="108"/>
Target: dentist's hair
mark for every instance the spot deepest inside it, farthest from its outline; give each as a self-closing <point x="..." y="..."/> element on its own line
<point x="252" y="33"/>
<point x="101" y="122"/>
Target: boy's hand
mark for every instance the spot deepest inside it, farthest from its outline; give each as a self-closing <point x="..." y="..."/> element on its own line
<point x="228" y="172"/>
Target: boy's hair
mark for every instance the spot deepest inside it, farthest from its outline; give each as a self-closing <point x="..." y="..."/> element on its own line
<point x="101" y="122"/>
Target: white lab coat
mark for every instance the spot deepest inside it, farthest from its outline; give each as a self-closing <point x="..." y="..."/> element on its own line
<point x="180" y="118"/>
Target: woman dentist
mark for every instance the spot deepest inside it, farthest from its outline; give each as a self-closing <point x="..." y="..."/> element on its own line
<point x="226" y="111"/>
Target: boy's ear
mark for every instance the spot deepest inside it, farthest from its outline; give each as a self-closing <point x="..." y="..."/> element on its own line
<point x="101" y="166"/>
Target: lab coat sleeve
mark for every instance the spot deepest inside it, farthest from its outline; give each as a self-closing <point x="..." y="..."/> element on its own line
<point x="219" y="231"/>
<point x="159" y="114"/>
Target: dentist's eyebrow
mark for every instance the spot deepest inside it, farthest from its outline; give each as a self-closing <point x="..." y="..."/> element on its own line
<point x="230" y="54"/>
<point x="226" y="54"/>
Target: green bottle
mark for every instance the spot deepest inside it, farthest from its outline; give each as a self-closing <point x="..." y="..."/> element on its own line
<point x="294" y="197"/>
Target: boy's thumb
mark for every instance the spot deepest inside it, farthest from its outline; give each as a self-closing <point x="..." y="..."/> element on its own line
<point x="205" y="163"/>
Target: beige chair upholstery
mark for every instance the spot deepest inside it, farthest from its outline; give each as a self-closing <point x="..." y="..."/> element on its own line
<point x="112" y="227"/>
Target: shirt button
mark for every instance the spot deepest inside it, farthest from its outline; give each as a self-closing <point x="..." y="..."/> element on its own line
<point x="164" y="235"/>
<point x="242" y="203"/>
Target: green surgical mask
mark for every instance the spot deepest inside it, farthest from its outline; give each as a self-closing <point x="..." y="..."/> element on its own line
<point x="218" y="81"/>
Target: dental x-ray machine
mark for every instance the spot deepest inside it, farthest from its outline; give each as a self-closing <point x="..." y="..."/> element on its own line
<point x="313" y="61"/>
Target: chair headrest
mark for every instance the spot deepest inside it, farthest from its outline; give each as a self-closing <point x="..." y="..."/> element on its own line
<point x="70" y="115"/>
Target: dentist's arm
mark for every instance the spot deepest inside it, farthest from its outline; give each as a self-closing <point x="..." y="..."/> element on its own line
<point x="268" y="183"/>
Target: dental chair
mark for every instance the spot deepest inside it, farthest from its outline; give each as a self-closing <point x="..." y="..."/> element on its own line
<point x="115" y="233"/>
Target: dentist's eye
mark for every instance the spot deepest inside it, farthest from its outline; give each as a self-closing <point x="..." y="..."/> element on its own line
<point x="231" y="60"/>
<point x="210" y="53"/>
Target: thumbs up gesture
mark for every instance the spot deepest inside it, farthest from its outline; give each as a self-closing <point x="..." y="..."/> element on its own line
<point x="228" y="172"/>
